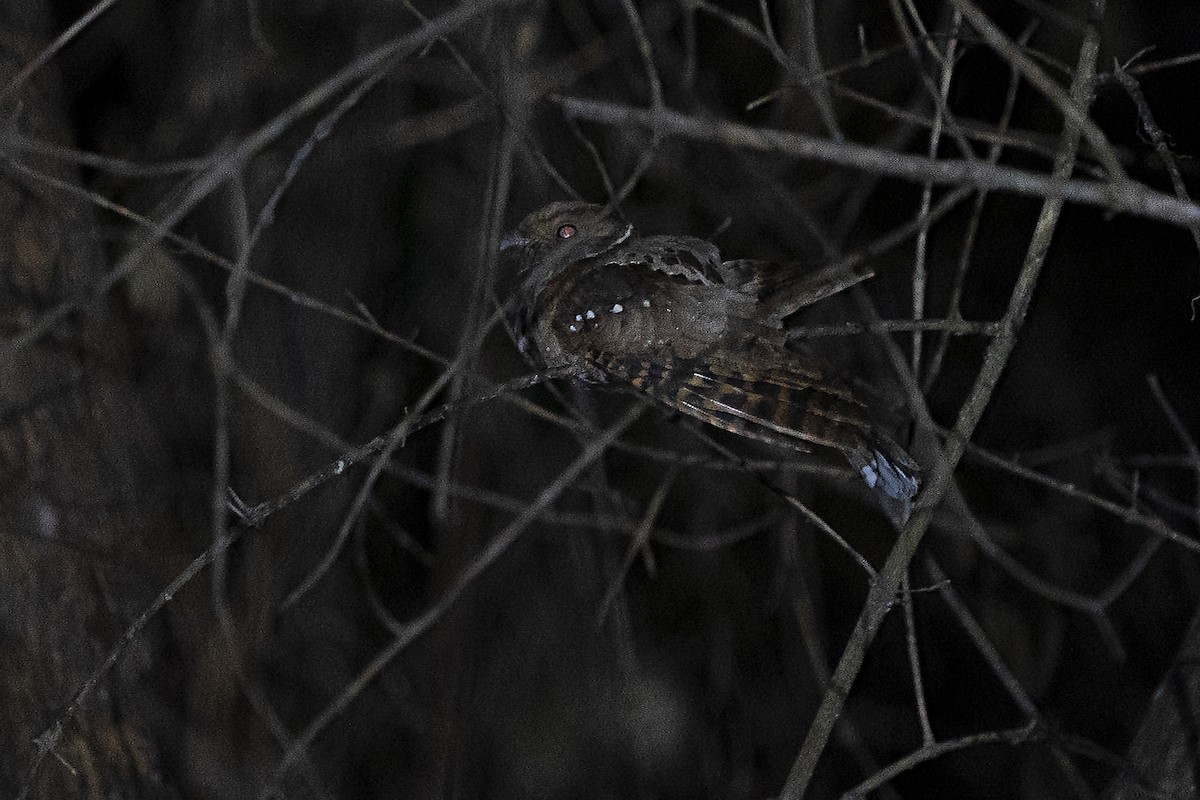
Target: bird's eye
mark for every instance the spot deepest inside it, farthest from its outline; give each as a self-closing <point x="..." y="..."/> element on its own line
<point x="566" y="231"/>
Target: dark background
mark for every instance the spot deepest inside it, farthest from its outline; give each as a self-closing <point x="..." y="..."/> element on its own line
<point x="577" y="664"/>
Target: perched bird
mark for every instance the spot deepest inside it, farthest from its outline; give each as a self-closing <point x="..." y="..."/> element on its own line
<point x="665" y="316"/>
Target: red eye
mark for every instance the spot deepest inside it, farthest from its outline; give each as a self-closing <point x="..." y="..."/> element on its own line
<point x="566" y="231"/>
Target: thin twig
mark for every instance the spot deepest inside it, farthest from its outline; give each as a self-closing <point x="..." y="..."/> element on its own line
<point x="656" y="100"/>
<point x="639" y="543"/>
<point x="497" y="547"/>
<point x="1122" y="195"/>
<point x="882" y="593"/>
<point x="232" y="162"/>
<point x="914" y="663"/>
<point x="1181" y="431"/>
<point x="920" y="278"/>
<point x="1128" y="514"/>
<point x="1072" y="107"/>
<point x="52" y="49"/>
<point x="932" y="750"/>
<point x="954" y="309"/>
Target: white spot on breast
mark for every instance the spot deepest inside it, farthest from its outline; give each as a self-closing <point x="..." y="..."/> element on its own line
<point x="573" y="329"/>
<point x="645" y="304"/>
<point x="590" y="314"/>
<point x="617" y="308"/>
<point x="579" y="318"/>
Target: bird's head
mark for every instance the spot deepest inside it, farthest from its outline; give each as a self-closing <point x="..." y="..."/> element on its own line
<point x="561" y="234"/>
<point x="550" y="240"/>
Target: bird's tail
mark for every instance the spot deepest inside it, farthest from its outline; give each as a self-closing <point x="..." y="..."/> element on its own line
<point x="890" y="472"/>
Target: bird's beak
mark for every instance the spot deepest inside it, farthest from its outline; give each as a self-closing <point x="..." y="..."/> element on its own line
<point x="513" y="239"/>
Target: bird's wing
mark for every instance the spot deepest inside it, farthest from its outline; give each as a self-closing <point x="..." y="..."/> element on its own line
<point x="785" y="289"/>
<point x="790" y="407"/>
<point x="628" y="306"/>
<point x="685" y="258"/>
<point x="780" y="289"/>
<point x="782" y="404"/>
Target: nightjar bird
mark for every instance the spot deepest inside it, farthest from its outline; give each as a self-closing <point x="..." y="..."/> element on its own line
<point x="665" y="316"/>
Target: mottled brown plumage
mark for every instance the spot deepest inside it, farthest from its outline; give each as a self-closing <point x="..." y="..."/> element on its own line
<point x="664" y="315"/>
